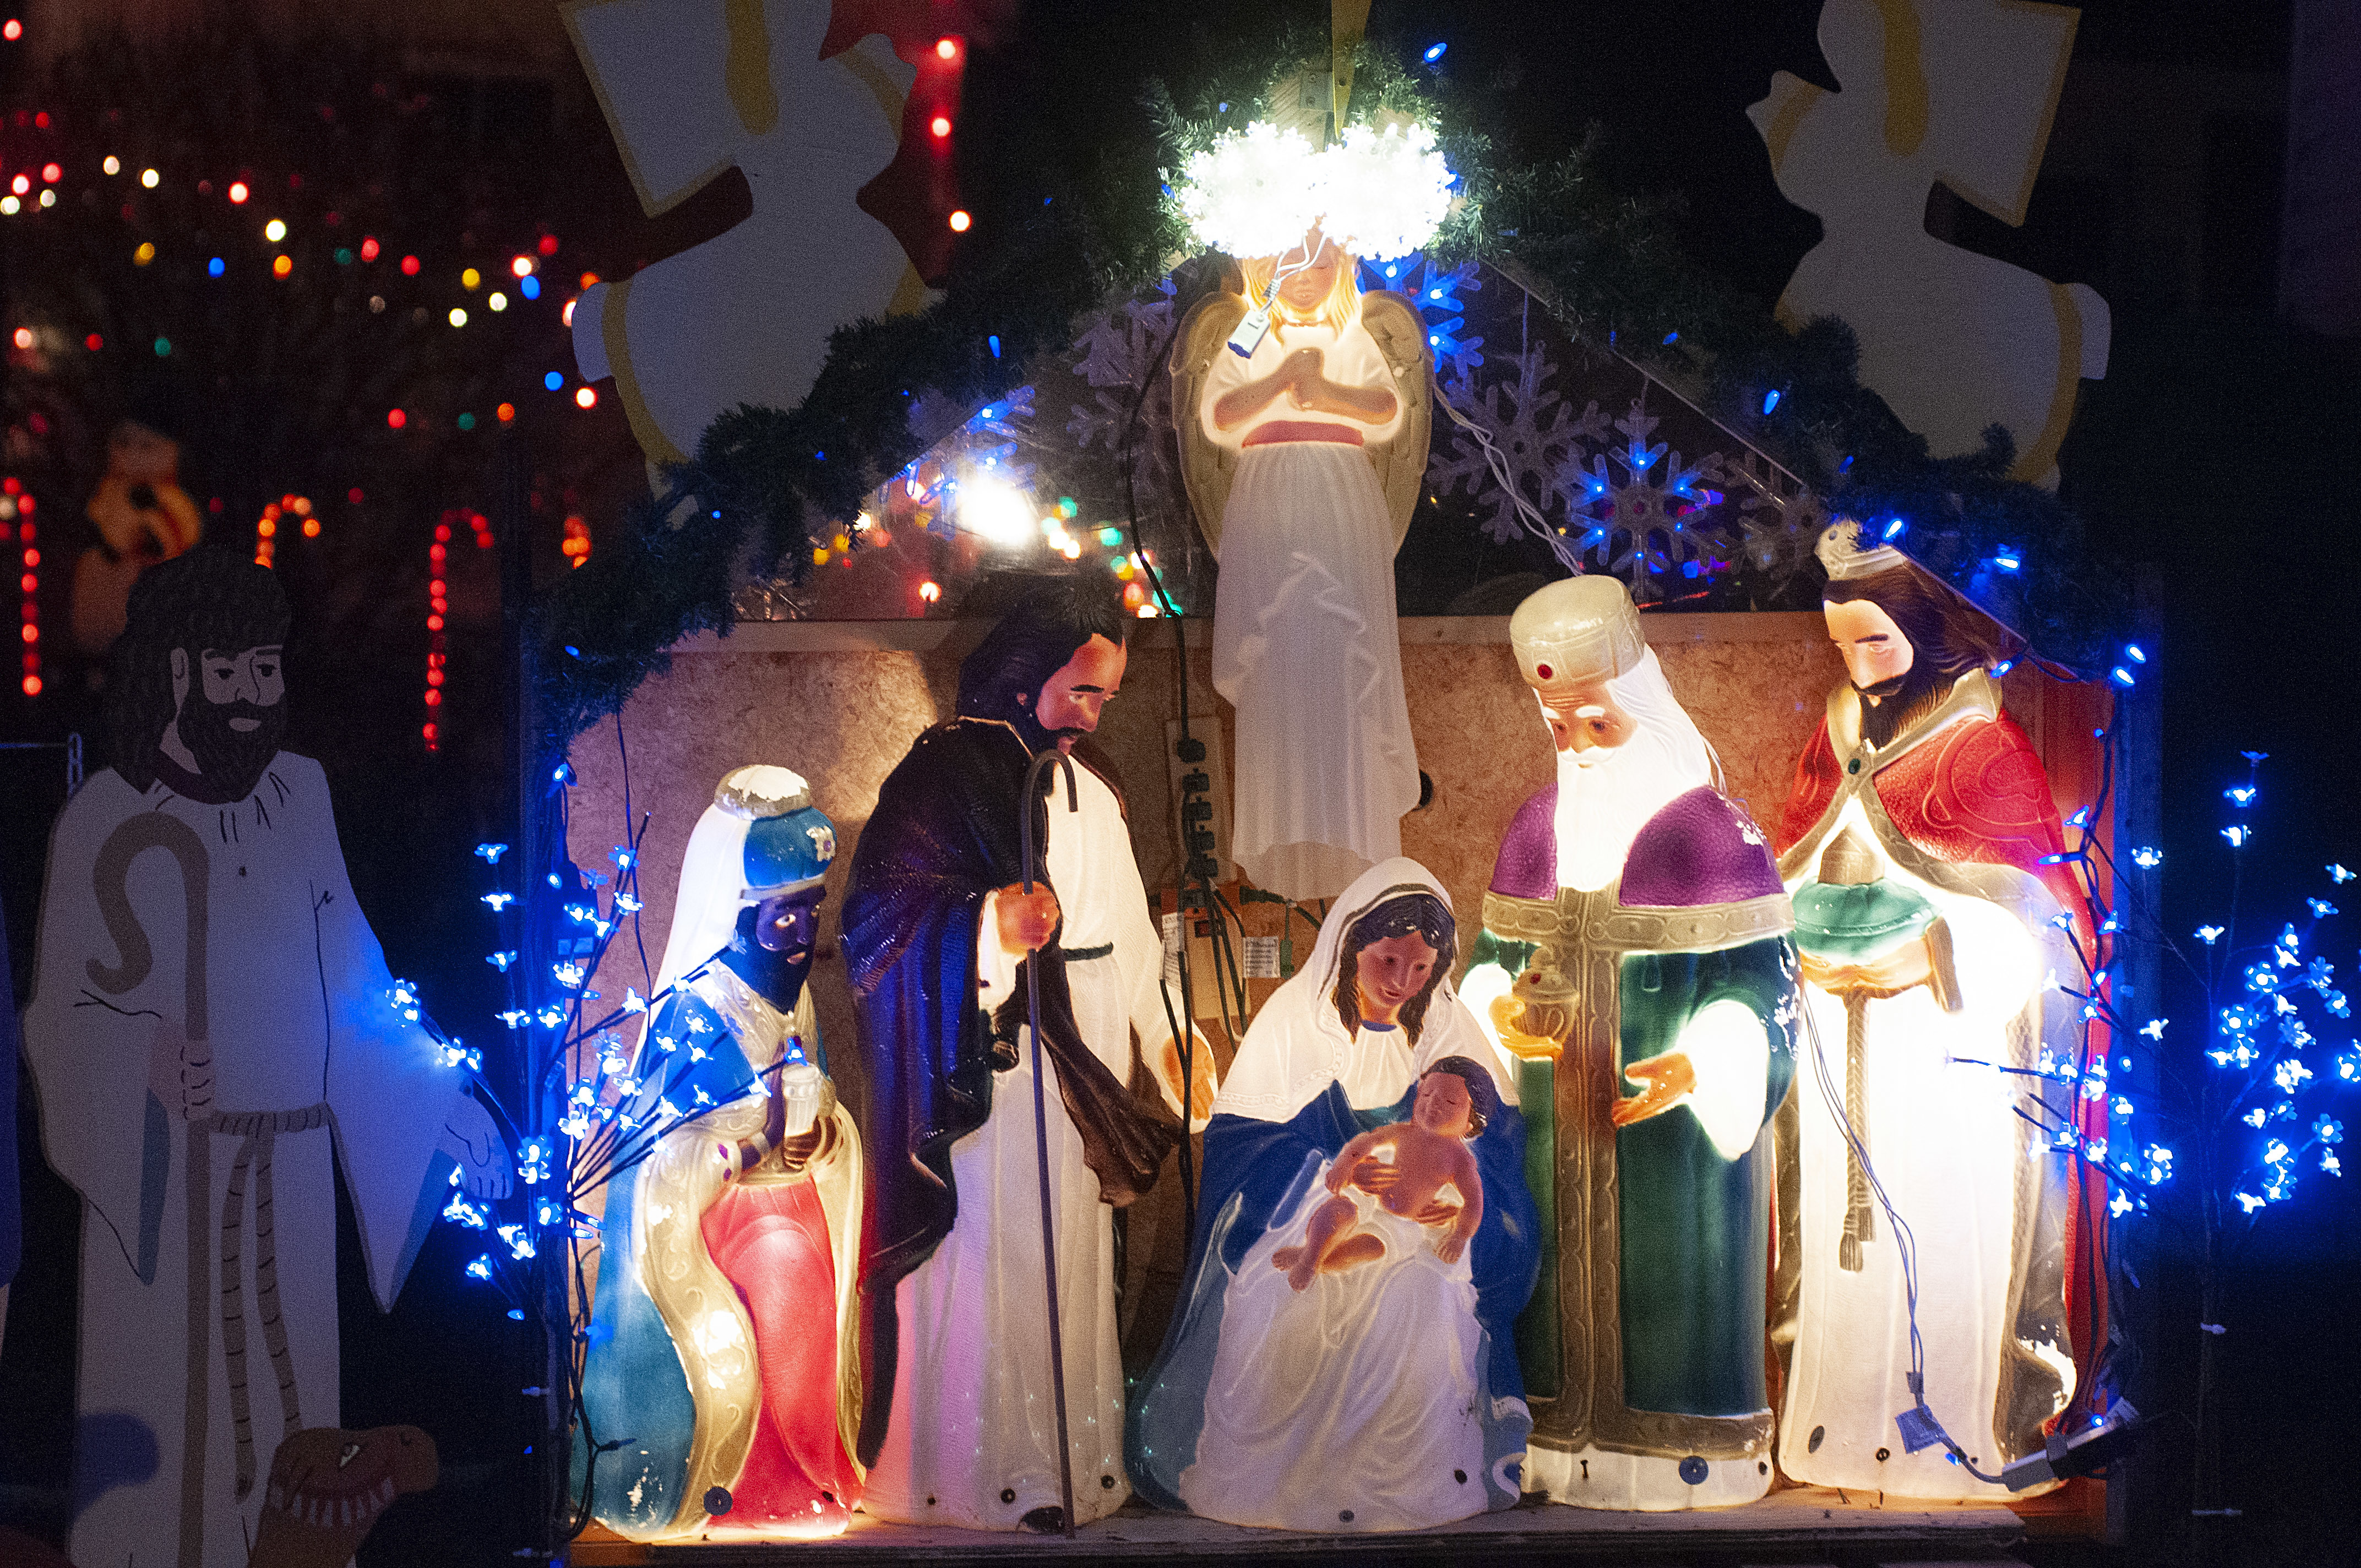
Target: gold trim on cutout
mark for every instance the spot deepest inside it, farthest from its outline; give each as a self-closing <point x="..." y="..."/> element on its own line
<point x="1789" y="115"/>
<point x="891" y="99"/>
<point x="909" y="294"/>
<point x="651" y="201"/>
<point x="2037" y="459"/>
<point x="2011" y="211"/>
<point x="1905" y="79"/>
<point x="644" y="427"/>
<point x="746" y="69"/>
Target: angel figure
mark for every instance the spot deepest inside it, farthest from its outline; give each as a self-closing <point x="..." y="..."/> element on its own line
<point x="807" y="100"/>
<point x="1959" y="94"/>
<point x="1303" y="448"/>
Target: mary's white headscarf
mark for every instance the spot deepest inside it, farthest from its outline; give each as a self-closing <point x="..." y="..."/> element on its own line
<point x="1298" y="1046"/>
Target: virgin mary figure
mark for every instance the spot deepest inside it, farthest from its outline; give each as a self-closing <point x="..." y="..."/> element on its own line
<point x="1384" y="1394"/>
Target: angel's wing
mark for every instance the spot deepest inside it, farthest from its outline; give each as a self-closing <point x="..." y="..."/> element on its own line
<point x="1206" y="466"/>
<point x="1400" y="461"/>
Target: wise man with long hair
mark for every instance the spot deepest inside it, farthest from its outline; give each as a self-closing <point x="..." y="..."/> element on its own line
<point x="1923" y="847"/>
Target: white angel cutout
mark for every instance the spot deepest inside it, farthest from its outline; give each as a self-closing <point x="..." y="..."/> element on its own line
<point x="690" y="89"/>
<point x="1959" y="91"/>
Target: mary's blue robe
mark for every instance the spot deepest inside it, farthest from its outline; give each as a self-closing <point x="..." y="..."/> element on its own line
<point x="1257" y="1170"/>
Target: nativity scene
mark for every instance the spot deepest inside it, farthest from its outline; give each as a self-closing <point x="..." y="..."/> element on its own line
<point x="1214" y="1025"/>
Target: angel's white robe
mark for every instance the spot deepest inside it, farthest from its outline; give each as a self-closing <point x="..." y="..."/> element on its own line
<point x="1305" y="643"/>
<point x="233" y="927"/>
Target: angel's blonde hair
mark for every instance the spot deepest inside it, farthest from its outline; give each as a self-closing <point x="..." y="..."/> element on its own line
<point x="1339" y="309"/>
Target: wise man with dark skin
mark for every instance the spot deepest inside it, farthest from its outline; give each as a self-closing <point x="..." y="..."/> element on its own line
<point x="212" y="1024"/>
<point x="939" y="932"/>
<point x="741" y="1226"/>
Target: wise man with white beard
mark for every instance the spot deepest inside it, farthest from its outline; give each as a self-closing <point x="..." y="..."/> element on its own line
<point x="1635" y="970"/>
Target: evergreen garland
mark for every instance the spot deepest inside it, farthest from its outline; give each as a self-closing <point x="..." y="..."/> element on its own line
<point x="1604" y="264"/>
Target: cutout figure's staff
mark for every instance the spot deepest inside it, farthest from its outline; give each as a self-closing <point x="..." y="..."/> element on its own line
<point x="1031" y="798"/>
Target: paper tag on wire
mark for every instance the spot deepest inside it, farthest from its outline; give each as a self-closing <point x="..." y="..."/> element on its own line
<point x="1250" y="331"/>
<point x="1262" y="957"/>
<point x="1173" y="948"/>
<point x="1919" y="1429"/>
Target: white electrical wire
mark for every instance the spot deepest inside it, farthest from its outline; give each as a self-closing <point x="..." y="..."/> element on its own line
<point x="1567" y="555"/>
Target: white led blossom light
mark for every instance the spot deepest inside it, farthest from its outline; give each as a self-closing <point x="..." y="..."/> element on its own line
<point x="1253" y="192"/>
<point x="1381" y="194"/>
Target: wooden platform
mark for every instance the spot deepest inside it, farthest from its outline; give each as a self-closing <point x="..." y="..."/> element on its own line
<point x="1801" y="1526"/>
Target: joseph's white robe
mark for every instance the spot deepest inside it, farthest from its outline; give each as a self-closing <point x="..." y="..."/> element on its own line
<point x="293" y="1002"/>
<point x="973" y="1436"/>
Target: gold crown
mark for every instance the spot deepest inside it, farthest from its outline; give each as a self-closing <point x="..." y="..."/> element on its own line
<point x="1577" y="630"/>
<point x="1842" y="557"/>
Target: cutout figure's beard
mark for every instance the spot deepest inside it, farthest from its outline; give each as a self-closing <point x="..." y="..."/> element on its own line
<point x="230" y="762"/>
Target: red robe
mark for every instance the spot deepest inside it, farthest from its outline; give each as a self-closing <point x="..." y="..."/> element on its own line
<point x="1976" y="792"/>
<point x="771" y="1241"/>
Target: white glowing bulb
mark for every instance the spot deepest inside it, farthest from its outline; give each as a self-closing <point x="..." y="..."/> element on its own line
<point x="499" y="302"/>
<point x="274" y="231"/>
<point x="148" y="178"/>
<point x="1383" y="194"/>
<point x="1380" y="194"/>
<point x="1000" y="512"/>
<point x="458" y="316"/>
<point x="112" y="165"/>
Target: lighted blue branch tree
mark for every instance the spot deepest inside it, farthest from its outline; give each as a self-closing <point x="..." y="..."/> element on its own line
<point x="584" y="1103"/>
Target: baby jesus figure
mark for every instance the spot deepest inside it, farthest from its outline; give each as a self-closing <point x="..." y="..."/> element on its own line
<point x="1405" y="1165"/>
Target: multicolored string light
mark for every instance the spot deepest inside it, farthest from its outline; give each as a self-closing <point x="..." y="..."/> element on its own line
<point x="16" y="508"/>
<point x="438" y="606"/>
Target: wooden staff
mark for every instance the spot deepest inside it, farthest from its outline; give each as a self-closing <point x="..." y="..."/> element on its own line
<point x="1041" y="1123"/>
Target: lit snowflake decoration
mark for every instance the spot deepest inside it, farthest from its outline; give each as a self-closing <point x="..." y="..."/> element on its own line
<point x="1435" y="293"/>
<point x="1635" y="525"/>
<point x="1111" y="357"/>
<point x="1532" y="430"/>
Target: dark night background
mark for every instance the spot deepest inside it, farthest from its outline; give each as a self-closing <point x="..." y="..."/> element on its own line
<point x="2217" y="454"/>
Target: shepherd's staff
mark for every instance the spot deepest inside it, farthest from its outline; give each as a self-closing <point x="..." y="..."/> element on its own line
<point x="110" y="877"/>
<point x="1041" y="1119"/>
